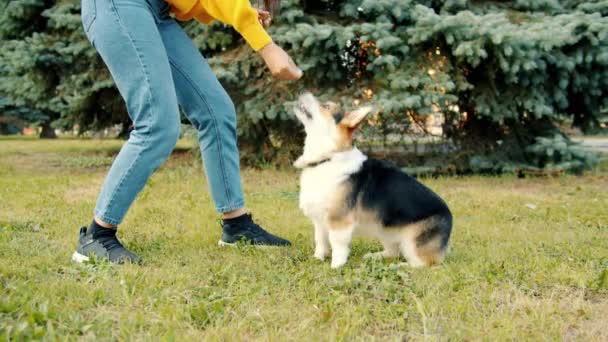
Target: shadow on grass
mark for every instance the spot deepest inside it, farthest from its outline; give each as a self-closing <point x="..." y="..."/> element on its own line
<point x="26" y="154"/>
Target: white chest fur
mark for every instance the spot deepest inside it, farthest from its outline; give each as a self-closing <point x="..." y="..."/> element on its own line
<point x="318" y="183"/>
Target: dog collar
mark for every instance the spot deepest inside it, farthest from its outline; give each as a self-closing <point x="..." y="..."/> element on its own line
<point x="317" y="163"/>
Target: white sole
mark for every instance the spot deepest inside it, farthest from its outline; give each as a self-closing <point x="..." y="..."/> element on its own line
<point x="77" y="257"/>
<point x="223" y="244"/>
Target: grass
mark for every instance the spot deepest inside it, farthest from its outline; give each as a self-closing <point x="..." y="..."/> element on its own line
<point x="529" y="260"/>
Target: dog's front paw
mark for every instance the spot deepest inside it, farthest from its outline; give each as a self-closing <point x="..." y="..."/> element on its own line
<point x="320" y="254"/>
<point x="337" y="263"/>
<point x="339" y="255"/>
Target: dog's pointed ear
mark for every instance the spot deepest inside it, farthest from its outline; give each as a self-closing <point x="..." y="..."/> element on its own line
<point x="354" y="118"/>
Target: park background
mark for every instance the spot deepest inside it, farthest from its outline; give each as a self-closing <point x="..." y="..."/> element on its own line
<point x="489" y="97"/>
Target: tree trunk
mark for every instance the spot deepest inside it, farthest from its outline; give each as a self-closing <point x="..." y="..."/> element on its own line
<point x="47" y="131"/>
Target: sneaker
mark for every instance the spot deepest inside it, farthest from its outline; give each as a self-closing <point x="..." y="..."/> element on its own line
<point x="244" y="229"/>
<point x="103" y="246"/>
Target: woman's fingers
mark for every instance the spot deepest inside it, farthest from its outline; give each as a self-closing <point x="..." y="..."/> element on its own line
<point x="279" y="63"/>
<point x="290" y="73"/>
<point x="264" y="17"/>
<point x="295" y="73"/>
<point x="262" y="14"/>
<point x="265" y="22"/>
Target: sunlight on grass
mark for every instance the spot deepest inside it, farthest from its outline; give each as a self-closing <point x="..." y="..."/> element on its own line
<point x="529" y="260"/>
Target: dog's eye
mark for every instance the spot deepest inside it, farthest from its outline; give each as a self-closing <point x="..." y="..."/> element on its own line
<point x="326" y="106"/>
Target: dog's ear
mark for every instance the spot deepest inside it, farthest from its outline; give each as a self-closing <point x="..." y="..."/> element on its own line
<point x="354" y="118"/>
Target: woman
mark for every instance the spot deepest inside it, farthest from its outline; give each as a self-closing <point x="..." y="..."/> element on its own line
<point x="156" y="67"/>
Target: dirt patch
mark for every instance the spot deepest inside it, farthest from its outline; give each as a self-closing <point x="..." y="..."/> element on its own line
<point x="83" y="193"/>
<point x="591" y="324"/>
<point x="34" y="162"/>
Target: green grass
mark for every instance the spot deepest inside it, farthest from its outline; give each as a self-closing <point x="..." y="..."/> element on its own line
<point x="513" y="273"/>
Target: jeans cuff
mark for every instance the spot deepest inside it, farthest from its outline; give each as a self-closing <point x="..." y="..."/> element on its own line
<point x="230" y="207"/>
<point x="106" y="219"/>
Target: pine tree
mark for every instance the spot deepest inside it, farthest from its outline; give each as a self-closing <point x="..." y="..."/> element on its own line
<point x="505" y="74"/>
<point x="47" y="65"/>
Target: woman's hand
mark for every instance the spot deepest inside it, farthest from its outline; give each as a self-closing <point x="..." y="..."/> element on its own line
<point x="280" y="64"/>
<point x="264" y="17"/>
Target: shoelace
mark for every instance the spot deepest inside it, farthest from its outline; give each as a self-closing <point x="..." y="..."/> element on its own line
<point x="250" y="226"/>
<point x="109" y="241"/>
<point x="257" y="230"/>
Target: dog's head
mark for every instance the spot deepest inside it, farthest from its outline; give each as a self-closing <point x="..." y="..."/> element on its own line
<point x="328" y="128"/>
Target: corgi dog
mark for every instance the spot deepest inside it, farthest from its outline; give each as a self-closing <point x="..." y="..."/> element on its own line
<point x="344" y="193"/>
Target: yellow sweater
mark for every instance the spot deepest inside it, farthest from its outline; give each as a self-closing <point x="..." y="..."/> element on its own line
<point x="237" y="13"/>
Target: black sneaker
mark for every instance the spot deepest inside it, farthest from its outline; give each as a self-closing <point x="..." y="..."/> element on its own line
<point x="104" y="245"/>
<point x="244" y="229"/>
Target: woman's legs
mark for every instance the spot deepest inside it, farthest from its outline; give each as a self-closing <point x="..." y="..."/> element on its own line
<point x="211" y="112"/>
<point x="126" y="36"/>
<point x="154" y="64"/>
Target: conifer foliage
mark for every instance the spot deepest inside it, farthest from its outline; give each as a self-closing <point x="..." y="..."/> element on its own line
<point x="504" y="74"/>
<point x="48" y="66"/>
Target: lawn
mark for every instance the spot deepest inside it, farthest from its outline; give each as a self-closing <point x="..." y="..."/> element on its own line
<point x="529" y="260"/>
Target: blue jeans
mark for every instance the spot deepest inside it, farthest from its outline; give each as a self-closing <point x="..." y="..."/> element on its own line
<point x="156" y="67"/>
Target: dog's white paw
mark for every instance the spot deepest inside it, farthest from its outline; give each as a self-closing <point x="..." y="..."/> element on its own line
<point x="337" y="263"/>
<point x="339" y="254"/>
<point x="320" y="255"/>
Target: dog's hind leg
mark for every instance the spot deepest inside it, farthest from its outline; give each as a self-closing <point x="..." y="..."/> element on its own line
<point x="431" y="253"/>
<point x="409" y="251"/>
<point x="321" y="241"/>
<point x="391" y="250"/>
<point x="425" y="243"/>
